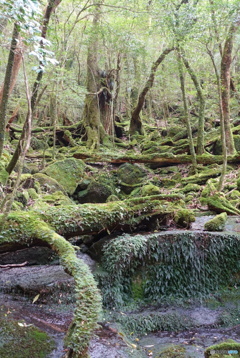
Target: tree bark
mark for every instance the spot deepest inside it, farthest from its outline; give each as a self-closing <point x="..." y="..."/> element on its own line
<point x="7" y="85"/>
<point x="51" y="5"/>
<point x="186" y="112"/>
<point x="225" y="86"/>
<point x="200" y="138"/>
<point x="136" y="123"/>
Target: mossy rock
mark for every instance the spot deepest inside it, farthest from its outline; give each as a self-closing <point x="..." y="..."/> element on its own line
<point x="22" y="197"/>
<point x="173" y="352"/>
<point x="95" y="193"/>
<point x="47" y="184"/>
<point x="130" y="176"/>
<point x="38" y="144"/>
<point x="150" y="189"/>
<point x="67" y="173"/>
<point x="217" y="223"/>
<point x="229" y="348"/>
<point x="19" y="340"/>
<point x="184" y="218"/>
<point x="33" y="194"/>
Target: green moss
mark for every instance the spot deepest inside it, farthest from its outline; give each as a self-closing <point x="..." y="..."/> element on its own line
<point x="167" y="182"/>
<point x="217" y="223"/>
<point x="184" y="218"/>
<point x="218" y="203"/>
<point x="18" y="340"/>
<point x="233" y="195"/>
<point x="46" y="184"/>
<point x="173" y="352"/>
<point x="130" y="176"/>
<point x="150" y="189"/>
<point x="3" y="175"/>
<point x="223" y="349"/>
<point x="67" y="173"/>
<point x="32" y="193"/>
<point x="191" y="187"/>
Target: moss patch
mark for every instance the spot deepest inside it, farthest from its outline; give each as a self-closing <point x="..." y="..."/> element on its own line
<point x="17" y="340"/>
<point x="229" y="348"/>
<point x="67" y="173"/>
<point x="173" y="352"/>
<point x="217" y="223"/>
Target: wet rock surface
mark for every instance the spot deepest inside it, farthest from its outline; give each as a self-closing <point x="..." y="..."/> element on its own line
<point x="43" y="295"/>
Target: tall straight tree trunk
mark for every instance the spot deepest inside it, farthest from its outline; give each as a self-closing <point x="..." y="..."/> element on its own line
<point x="136" y="123"/>
<point x="15" y="69"/>
<point x="200" y="138"/>
<point x="51" y="6"/>
<point x="92" y="114"/>
<point x="186" y="112"/>
<point x="225" y="86"/>
<point x="7" y="85"/>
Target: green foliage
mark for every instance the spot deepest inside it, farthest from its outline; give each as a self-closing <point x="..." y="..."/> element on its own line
<point x="167" y="266"/>
<point x="149" y="322"/>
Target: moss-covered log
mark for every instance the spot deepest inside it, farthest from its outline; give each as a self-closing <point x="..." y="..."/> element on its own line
<point x="26" y="226"/>
<point x="49" y="226"/>
<point x="165" y="159"/>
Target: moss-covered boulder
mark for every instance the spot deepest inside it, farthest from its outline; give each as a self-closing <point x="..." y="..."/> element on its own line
<point x="173" y="352"/>
<point x="20" y="340"/>
<point x="130" y="176"/>
<point x="46" y="183"/>
<point x="67" y="173"/>
<point x="96" y="192"/>
<point x="217" y="223"/>
<point x="38" y="144"/>
<point x="150" y="189"/>
<point x="229" y="348"/>
<point x="184" y="218"/>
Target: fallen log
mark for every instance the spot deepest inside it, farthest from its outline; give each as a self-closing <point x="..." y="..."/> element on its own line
<point x="161" y="160"/>
<point x="49" y="226"/>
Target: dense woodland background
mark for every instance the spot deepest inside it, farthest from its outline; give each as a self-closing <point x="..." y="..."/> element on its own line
<point x="115" y="116"/>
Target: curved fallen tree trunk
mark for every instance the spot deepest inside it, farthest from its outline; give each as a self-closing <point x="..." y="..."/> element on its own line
<point x="48" y="226"/>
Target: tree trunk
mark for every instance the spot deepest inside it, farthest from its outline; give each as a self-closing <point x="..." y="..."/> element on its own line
<point x="186" y="112"/>
<point x="91" y="114"/>
<point x="225" y="86"/>
<point x="51" y="5"/>
<point x="200" y="138"/>
<point x="136" y="123"/>
<point x="7" y="85"/>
